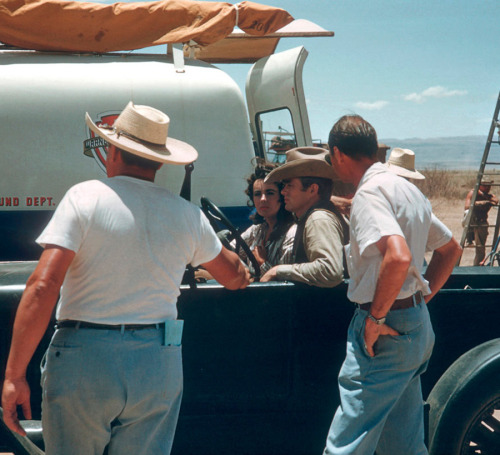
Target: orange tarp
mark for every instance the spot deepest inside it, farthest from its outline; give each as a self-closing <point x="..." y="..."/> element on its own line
<point x="52" y="25"/>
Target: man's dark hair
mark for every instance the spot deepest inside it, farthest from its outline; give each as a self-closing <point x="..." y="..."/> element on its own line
<point x="354" y="137"/>
<point x="325" y="186"/>
<point x="135" y="160"/>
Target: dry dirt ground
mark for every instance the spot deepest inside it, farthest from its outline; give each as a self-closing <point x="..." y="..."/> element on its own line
<point x="450" y="212"/>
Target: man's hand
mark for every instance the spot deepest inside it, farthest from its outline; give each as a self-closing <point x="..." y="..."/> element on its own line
<point x="248" y="278"/>
<point x="15" y="393"/>
<point x="260" y="254"/>
<point x="228" y="270"/>
<point x="343" y="204"/>
<point x="270" y="275"/>
<point x="373" y="331"/>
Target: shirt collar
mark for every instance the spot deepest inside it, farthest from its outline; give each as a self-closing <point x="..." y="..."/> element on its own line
<point x="375" y="169"/>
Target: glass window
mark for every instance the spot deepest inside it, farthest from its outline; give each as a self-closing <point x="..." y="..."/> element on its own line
<point x="276" y="134"/>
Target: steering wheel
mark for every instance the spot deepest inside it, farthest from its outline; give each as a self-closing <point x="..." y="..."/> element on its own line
<point x="217" y="219"/>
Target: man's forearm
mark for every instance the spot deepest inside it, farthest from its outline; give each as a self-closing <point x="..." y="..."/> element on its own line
<point x="228" y="270"/>
<point x="32" y="318"/>
<point x="322" y="273"/>
<point x="36" y="307"/>
<point x="390" y="281"/>
<point x="392" y="274"/>
<point x="441" y="265"/>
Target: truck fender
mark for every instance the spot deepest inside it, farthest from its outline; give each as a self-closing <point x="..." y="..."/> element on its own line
<point x="32" y="444"/>
<point x="463" y="402"/>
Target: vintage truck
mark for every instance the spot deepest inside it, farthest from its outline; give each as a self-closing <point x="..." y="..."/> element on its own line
<point x="261" y="364"/>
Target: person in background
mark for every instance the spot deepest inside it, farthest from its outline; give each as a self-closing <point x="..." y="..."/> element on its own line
<point x="321" y="229"/>
<point x="271" y="236"/>
<point x="479" y="219"/>
<point x="402" y="163"/>
<point x="116" y="251"/>
<point x="390" y="338"/>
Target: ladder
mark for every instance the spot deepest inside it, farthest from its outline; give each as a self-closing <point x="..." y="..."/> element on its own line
<point x="487" y="172"/>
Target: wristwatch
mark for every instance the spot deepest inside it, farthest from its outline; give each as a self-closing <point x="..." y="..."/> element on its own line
<point x="379" y="321"/>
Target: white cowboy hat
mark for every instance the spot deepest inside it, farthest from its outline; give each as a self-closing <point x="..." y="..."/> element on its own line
<point x="303" y="162"/>
<point x="143" y="131"/>
<point x="402" y="162"/>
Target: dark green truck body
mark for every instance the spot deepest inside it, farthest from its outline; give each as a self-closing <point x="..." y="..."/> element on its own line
<point x="261" y="364"/>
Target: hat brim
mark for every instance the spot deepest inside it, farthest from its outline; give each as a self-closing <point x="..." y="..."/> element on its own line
<point x="403" y="172"/>
<point x="302" y="168"/>
<point x="173" y="152"/>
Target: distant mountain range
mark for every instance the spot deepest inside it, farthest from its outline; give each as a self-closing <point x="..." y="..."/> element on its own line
<point x="461" y="152"/>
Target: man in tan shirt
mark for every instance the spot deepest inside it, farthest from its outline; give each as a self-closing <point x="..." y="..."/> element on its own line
<point x="321" y="229"/>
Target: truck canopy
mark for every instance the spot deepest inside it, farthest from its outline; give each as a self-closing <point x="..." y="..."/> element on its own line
<point x="53" y="25"/>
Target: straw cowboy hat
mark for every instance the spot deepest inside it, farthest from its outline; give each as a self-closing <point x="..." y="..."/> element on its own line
<point x="143" y="131"/>
<point x="303" y="162"/>
<point x="402" y="162"/>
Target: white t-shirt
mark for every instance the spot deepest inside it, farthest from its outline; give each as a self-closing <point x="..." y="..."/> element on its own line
<point x="386" y="204"/>
<point x="132" y="240"/>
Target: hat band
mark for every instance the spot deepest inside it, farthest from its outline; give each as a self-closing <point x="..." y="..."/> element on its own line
<point x="407" y="166"/>
<point x="135" y="138"/>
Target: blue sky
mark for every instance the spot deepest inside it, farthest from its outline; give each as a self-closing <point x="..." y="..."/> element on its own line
<point x="420" y="68"/>
<point x="413" y="68"/>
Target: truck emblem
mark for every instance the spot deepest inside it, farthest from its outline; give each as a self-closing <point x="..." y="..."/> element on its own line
<point x="95" y="146"/>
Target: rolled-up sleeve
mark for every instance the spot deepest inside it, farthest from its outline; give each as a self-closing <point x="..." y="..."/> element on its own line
<point x="323" y="241"/>
<point x="439" y="234"/>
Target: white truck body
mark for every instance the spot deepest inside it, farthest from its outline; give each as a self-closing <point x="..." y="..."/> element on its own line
<point x="45" y="97"/>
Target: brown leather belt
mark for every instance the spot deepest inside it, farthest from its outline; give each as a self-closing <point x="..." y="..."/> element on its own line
<point x="400" y="304"/>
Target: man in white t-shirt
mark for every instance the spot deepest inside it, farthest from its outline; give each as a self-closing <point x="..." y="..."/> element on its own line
<point x="390" y="338"/>
<point x="116" y="251"/>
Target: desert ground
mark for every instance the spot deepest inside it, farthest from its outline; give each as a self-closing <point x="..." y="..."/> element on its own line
<point x="454" y="186"/>
<point x="450" y="212"/>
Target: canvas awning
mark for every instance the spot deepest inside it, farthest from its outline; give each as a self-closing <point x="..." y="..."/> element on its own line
<point x="240" y="47"/>
<point x="68" y="26"/>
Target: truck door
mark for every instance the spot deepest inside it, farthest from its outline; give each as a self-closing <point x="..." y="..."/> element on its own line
<point x="276" y="104"/>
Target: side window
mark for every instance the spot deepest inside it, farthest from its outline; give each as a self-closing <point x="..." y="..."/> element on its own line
<point x="276" y="134"/>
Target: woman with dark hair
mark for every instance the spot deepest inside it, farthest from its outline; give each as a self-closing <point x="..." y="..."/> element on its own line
<point x="271" y="236"/>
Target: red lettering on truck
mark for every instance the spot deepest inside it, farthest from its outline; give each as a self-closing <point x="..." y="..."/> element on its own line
<point x="9" y="201"/>
<point x="39" y="201"/>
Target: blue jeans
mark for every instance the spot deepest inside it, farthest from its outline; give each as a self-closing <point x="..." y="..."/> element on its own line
<point x="381" y="405"/>
<point x="105" y="387"/>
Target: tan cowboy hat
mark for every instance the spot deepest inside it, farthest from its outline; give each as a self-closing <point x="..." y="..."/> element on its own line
<point x="143" y="131"/>
<point x="402" y="162"/>
<point x="303" y="162"/>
